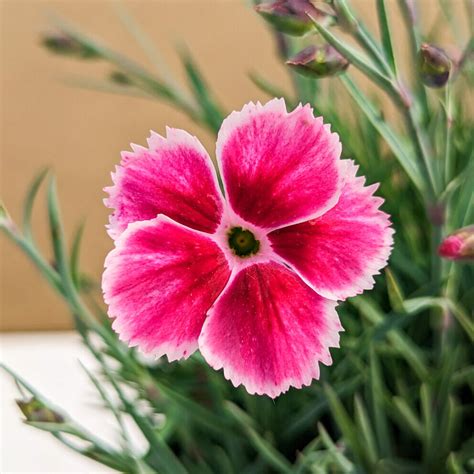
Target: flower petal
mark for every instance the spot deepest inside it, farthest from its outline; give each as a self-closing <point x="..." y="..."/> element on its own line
<point x="174" y="176"/>
<point x="338" y="253"/>
<point x="159" y="282"/>
<point x="278" y="168"/>
<point x="269" y="330"/>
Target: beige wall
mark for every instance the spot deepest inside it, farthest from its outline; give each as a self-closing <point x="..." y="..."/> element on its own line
<point x="80" y="133"/>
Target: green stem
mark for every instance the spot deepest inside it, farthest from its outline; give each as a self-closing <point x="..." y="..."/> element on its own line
<point x="416" y="135"/>
<point x="435" y="259"/>
<point x="364" y="39"/>
<point x="386" y="35"/>
<point x="362" y="36"/>
<point x="414" y="38"/>
<point x="30" y="250"/>
<point x="448" y="156"/>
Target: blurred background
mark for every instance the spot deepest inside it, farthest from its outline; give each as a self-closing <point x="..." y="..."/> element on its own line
<point x="47" y="120"/>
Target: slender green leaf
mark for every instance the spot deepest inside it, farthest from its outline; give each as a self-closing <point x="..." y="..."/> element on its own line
<point x="269" y="88"/>
<point x="27" y="246"/>
<point x="418" y="304"/>
<point x="449" y="424"/>
<point x="56" y="230"/>
<point x="75" y="251"/>
<point x="306" y="417"/>
<point x="142" y="77"/>
<point x="342" y="461"/>
<point x="385" y="33"/>
<point x="68" y="426"/>
<point x="395" y="293"/>
<point x="112" y="460"/>
<point x="463" y="375"/>
<point x="161" y="455"/>
<point x="263" y="447"/>
<point x="406" y="417"/>
<point x="463" y="319"/>
<point x="32" y="390"/>
<point x="29" y="201"/>
<point x="101" y="85"/>
<point x="393" y="141"/>
<point x="453" y="465"/>
<point x="398" y="466"/>
<point x="346" y="425"/>
<point x="146" y="43"/>
<point x="404" y="346"/>
<point x="359" y="61"/>
<point x="426" y="400"/>
<point x="378" y="409"/>
<point x="109" y="404"/>
<point x="364" y="427"/>
<point x="211" y="111"/>
<point x="213" y="421"/>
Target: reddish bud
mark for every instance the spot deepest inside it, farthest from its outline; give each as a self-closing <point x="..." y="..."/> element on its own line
<point x="459" y="245"/>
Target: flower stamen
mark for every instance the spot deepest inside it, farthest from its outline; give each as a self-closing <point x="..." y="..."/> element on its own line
<point x="242" y="242"/>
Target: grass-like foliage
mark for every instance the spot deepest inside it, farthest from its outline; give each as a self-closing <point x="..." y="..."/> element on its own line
<point x="399" y="396"/>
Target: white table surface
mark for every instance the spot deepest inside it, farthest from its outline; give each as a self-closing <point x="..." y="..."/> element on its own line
<point x="50" y="362"/>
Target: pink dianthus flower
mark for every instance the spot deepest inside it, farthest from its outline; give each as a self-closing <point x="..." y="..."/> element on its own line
<point x="250" y="277"/>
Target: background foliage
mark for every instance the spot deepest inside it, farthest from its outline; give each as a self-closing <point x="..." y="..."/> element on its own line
<point x="399" y="396"/>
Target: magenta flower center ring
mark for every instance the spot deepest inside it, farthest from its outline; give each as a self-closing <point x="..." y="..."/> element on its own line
<point x="249" y="275"/>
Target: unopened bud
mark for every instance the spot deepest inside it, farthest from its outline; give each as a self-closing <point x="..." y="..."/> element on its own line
<point x="34" y="410"/>
<point x="121" y="78"/>
<point x="319" y="61"/>
<point x="434" y="65"/>
<point x="291" y="16"/>
<point x="62" y="43"/>
<point x="459" y="245"/>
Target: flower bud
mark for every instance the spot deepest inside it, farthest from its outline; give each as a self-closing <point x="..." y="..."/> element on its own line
<point x="62" y="43"/>
<point x="434" y="66"/>
<point x="319" y="61"/>
<point x="291" y="16"/>
<point x="121" y="78"/>
<point x="34" y="410"/>
<point x="459" y="245"/>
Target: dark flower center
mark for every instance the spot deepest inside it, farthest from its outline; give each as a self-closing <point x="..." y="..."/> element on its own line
<point x="243" y="242"/>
